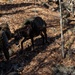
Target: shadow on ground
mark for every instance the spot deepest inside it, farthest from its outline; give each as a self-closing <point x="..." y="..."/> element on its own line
<point x="7" y="7"/>
<point x="20" y="60"/>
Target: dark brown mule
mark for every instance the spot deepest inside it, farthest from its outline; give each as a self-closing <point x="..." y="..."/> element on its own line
<point x="32" y="27"/>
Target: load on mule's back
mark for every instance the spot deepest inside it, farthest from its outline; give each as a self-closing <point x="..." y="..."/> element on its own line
<point x="4" y="44"/>
<point x="32" y="27"/>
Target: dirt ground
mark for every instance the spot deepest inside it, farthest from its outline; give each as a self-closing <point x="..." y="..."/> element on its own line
<point x="44" y="57"/>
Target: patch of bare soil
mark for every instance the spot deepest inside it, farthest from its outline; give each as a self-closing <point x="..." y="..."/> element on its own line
<point x="41" y="60"/>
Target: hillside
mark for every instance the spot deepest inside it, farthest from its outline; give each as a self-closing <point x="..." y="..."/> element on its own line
<point x="44" y="58"/>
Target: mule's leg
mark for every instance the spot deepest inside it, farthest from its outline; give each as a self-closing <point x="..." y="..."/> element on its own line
<point x="32" y="43"/>
<point x="42" y="37"/>
<point x="22" y="43"/>
<point x="44" y="31"/>
<point x="6" y="53"/>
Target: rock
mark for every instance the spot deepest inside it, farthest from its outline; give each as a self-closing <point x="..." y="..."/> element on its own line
<point x="11" y="52"/>
<point x="63" y="70"/>
<point x="16" y="66"/>
<point x="20" y="69"/>
<point x="73" y="73"/>
<point x="59" y="73"/>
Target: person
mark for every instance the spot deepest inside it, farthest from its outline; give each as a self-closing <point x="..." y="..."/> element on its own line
<point x="4" y="46"/>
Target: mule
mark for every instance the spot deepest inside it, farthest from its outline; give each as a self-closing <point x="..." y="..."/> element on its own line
<point x="32" y="27"/>
<point x="4" y="46"/>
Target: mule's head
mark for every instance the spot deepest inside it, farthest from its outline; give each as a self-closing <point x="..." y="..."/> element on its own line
<point x="5" y="27"/>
